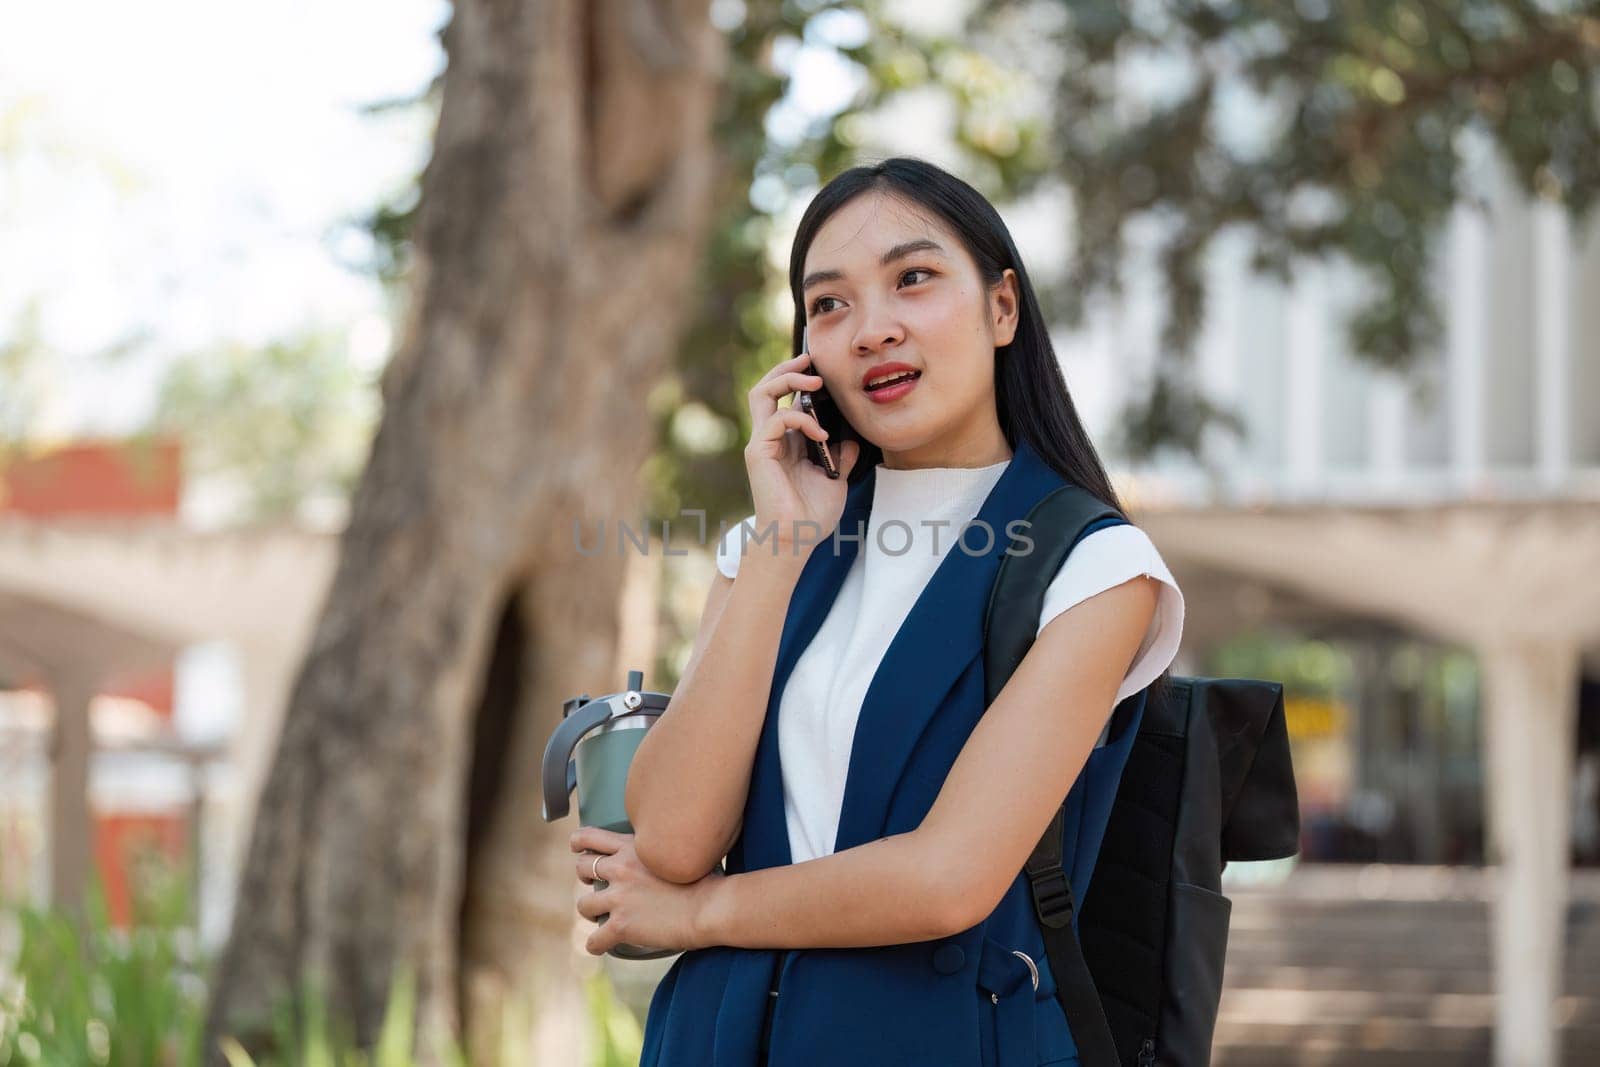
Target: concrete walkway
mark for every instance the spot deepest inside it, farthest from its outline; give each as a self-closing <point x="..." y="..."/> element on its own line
<point x="1371" y="966"/>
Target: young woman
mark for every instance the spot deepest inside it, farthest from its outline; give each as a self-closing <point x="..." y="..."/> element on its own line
<point x="829" y="736"/>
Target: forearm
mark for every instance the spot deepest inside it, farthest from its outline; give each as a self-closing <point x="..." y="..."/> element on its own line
<point x="890" y="891"/>
<point x="688" y="782"/>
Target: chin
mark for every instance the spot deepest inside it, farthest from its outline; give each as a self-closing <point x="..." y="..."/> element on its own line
<point x="901" y="430"/>
<point x="904" y="441"/>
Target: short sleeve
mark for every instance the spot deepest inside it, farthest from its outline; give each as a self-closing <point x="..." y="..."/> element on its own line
<point x="1108" y="557"/>
<point x="730" y="549"/>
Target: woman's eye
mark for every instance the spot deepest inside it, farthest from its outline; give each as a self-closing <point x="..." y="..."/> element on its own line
<point x="818" y="309"/>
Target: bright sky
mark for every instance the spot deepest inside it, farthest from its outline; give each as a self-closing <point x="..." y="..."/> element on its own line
<point x="175" y="174"/>
<point x="176" y="171"/>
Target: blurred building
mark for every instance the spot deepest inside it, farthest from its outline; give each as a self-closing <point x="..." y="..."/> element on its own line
<point x="1436" y="538"/>
<point x="112" y="689"/>
<point x="112" y="608"/>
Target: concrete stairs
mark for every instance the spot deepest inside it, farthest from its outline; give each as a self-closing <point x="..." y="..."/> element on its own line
<point x="1375" y="966"/>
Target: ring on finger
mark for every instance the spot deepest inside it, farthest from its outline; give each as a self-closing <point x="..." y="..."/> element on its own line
<point x="594" y="870"/>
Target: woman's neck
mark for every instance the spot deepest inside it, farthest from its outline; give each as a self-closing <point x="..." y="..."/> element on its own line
<point x="942" y="454"/>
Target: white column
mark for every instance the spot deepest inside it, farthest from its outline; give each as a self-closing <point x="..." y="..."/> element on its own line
<point x="1552" y="327"/>
<point x="1529" y="715"/>
<point x="267" y="673"/>
<point x="1305" y="352"/>
<point x="71" y="821"/>
<point x="1091" y="361"/>
<point x="1386" y="429"/>
<point x="1217" y="357"/>
<point x="1467" y="335"/>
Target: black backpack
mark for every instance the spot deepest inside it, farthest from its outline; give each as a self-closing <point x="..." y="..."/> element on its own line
<point x="1208" y="780"/>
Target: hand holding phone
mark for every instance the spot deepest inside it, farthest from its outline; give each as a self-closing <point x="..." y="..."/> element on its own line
<point x="817" y="450"/>
<point x="785" y="483"/>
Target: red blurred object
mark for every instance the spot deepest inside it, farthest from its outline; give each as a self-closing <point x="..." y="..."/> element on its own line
<point x="120" y="840"/>
<point x="99" y="479"/>
<point x="153" y="689"/>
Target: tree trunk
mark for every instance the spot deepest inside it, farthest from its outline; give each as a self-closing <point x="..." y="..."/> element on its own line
<point x="71" y="824"/>
<point x="560" y="231"/>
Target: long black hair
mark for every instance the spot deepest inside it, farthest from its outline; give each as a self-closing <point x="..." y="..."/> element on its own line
<point x="1030" y="392"/>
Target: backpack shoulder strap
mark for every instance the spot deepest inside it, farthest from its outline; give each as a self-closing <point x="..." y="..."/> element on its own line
<point x="1055" y="525"/>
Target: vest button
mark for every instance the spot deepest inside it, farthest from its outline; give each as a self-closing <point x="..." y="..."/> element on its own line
<point x="948" y="959"/>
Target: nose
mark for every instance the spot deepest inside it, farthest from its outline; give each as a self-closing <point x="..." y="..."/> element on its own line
<point x="876" y="336"/>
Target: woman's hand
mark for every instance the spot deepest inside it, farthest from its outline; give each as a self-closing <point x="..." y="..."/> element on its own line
<point x="642" y="909"/>
<point x="786" y="487"/>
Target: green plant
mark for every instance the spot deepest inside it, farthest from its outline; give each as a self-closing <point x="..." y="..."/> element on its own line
<point x="82" y="992"/>
<point x="319" y="1043"/>
<point x="617" y="1039"/>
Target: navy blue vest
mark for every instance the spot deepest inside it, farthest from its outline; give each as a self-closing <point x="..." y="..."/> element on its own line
<point x="966" y="1000"/>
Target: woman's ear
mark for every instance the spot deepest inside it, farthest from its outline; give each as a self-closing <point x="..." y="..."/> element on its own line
<point x="1003" y="309"/>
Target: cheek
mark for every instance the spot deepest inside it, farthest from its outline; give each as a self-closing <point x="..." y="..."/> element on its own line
<point x="959" y="320"/>
<point x="951" y="311"/>
<point x="835" y="377"/>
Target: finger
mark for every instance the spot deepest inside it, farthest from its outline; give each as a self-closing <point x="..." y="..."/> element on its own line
<point x="793" y="382"/>
<point x="594" y="904"/>
<point x="789" y="419"/>
<point x="764" y="395"/>
<point x="606" y="935"/>
<point x="790" y="364"/>
<point x="595" y="839"/>
<point x="600" y="942"/>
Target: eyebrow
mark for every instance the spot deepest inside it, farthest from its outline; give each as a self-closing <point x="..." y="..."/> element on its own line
<point x="899" y="251"/>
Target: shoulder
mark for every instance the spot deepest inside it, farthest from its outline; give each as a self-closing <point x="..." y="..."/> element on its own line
<point x="730" y="548"/>
<point x="1109" y="556"/>
<point x="1104" y="559"/>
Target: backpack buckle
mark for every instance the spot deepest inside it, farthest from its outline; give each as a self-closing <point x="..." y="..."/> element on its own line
<point x="1052" y="896"/>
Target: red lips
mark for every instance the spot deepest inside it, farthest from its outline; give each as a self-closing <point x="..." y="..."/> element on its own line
<point x="884" y="369"/>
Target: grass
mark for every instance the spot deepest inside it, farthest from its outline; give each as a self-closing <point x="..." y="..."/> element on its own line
<point x="91" y="995"/>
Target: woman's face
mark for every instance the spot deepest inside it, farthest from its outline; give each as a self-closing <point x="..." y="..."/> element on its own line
<point x="883" y="283"/>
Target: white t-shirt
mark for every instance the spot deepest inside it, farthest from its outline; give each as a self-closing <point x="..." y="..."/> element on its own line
<point x="904" y="545"/>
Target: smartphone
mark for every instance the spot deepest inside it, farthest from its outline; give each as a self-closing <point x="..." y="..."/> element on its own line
<point x="820" y="406"/>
